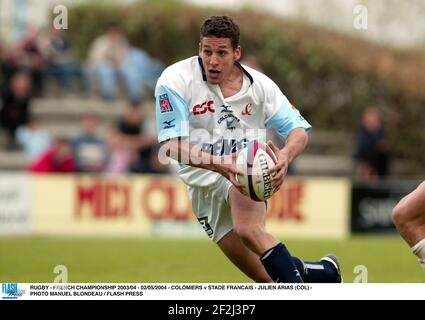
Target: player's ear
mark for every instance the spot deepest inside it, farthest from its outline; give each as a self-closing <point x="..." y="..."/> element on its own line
<point x="237" y="53"/>
<point x="200" y="48"/>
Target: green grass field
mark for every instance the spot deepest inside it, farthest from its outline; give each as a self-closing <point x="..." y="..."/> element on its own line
<point x="387" y="259"/>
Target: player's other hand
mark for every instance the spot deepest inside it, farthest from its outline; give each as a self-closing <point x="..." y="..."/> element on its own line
<point x="226" y="166"/>
<point x="281" y="167"/>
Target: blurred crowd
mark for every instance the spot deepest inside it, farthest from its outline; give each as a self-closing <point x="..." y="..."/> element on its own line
<point x="111" y="63"/>
<point x="113" y="68"/>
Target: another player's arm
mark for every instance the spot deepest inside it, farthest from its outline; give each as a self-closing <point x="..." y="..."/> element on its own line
<point x="295" y="144"/>
<point x="182" y="150"/>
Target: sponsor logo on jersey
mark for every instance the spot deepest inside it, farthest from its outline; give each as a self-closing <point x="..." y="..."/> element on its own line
<point x="165" y="104"/>
<point x="229" y="116"/>
<point x="248" y="110"/>
<point x="224" y="146"/>
<point x="226" y="109"/>
<point x="207" y="106"/>
<point x="168" y="124"/>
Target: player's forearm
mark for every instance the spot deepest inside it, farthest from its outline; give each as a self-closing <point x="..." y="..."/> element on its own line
<point x="295" y="144"/>
<point x="187" y="153"/>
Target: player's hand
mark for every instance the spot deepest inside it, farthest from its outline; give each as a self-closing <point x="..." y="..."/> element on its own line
<point x="228" y="169"/>
<point x="281" y="167"/>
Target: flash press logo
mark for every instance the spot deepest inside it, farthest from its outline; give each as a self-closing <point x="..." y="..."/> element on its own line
<point x="10" y="291"/>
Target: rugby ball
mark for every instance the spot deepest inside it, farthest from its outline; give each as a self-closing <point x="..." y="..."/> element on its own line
<point x="254" y="160"/>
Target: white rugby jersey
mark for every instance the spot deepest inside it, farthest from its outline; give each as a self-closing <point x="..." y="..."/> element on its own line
<point x="189" y="106"/>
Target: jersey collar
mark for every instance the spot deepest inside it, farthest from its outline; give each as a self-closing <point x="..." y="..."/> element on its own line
<point x="204" y="77"/>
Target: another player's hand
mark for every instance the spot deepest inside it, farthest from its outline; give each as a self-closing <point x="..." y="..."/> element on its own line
<point x="281" y="167"/>
<point x="226" y="166"/>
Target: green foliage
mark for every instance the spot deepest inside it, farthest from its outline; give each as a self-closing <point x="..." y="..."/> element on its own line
<point x="89" y="20"/>
<point x="329" y="77"/>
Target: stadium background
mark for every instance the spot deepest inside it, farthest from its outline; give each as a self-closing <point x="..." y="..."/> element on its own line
<point x="139" y="228"/>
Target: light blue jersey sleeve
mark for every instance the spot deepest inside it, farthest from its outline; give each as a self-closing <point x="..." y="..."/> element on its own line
<point x="286" y="119"/>
<point x="172" y="114"/>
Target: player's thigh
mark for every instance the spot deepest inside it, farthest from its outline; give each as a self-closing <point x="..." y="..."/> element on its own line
<point x="211" y="208"/>
<point x="246" y="212"/>
<point x="243" y="258"/>
<point x="412" y="207"/>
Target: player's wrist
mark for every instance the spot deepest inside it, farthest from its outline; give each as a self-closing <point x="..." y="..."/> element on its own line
<point x="284" y="155"/>
<point x="208" y="163"/>
<point x="221" y="165"/>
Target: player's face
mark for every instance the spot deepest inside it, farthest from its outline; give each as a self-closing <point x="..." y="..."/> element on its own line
<point x="218" y="58"/>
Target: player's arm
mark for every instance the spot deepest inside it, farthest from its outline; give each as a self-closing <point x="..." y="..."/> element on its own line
<point x="183" y="151"/>
<point x="291" y="127"/>
<point x="295" y="144"/>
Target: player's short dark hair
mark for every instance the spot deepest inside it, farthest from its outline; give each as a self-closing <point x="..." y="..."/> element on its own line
<point x="221" y="27"/>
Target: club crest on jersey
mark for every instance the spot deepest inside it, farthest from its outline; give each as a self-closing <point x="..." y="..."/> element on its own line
<point x="165" y="104"/>
<point x="228" y="115"/>
<point x="247" y="111"/>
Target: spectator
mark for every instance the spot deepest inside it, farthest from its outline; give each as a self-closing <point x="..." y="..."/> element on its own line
<point x="89" y="150"/>
<point x="119" y="154"/>
<point x="148" y="161"/>
<point x="26" y="55"/>
<point x="60" y="60"/>
<point x="131" y="123"/>
<point x="250" y="60"/>
<point x="371" y="154"/>
<point x="34" y="139"/>
<point x="16" y="106"/>
<point x="111" y="57"/>
<point x="2" y="65"/>
<point x="148" y="68"/>
<point x="142" y="146"/>
<point x="57" y="158"/>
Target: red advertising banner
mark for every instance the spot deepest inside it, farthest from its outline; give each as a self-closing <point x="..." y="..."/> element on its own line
<point x="159" y="205"/>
